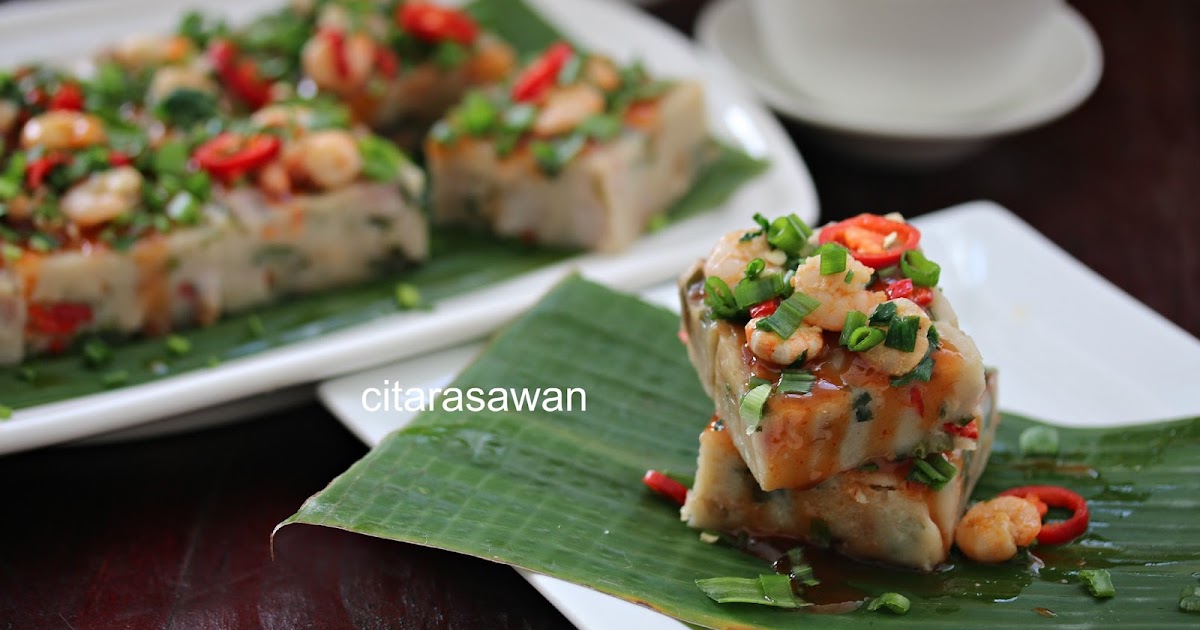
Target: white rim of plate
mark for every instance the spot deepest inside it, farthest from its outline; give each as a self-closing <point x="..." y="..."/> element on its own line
<point x="1074" y="31"/>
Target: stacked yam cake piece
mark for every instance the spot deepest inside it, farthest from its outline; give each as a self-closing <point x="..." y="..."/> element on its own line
<point x="850" y="408"/>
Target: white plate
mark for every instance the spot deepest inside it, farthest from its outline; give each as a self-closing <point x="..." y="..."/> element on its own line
<point x="1070" y="70"/>
<point x="72" y="28"/>
<point x="1071" y="348"/>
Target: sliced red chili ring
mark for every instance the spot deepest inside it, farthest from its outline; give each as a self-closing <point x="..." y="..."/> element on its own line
<point x="764" y="309"/>
<point x="59" y="319"/>
<point x="969" y="430"/>
<point x="229" y="155"/>
<point x="68" y="97"/>
<point x="541" y="74"/>
<point x="665" y="486"/>
<point x="867" y="237"/>
<point x="1058" y="532"/>
<point x="904" y="288"/>
<point x="239" y="75"/>
<point x="433" y="23"/>
<point x="38" y="170"/>
<point x="336" y="40"/>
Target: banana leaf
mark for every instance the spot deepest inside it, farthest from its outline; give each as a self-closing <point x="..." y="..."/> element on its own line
<point x="559" y="492"/>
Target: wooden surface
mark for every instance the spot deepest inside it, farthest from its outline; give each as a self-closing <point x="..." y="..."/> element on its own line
<point x="174" y="532"/>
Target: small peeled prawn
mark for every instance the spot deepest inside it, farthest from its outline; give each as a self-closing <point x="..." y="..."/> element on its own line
<point x="897" y="362"/>
<point x="731" y="254"/>
<point x="991" y="531"/>
<point x="341" y="63"/>
<point x="566" y="107"/>
<point x="103" y="196"/>
<point x="806" y="341"/>
<point x="839" y="293"/>
<point x="62" y="130"/>
<point x="330" y="159"/>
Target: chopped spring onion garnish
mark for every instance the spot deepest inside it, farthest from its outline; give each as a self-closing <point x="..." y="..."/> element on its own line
<point x="790" y="314"/>
<point x="935" y="340"/>
<point x="894" y="602"/>
<point x="923" y="372"/>
<point x="178" y="345"/>
<point x="96" y="352"/>
<point x="789" y="234"/>
<point x="854" y="321"/>
<point x="924" y="272"/>
<point x="796" y="382"/>
<point x="864" y="338"/>
<point x="934" y="471"/>
<point x="1189" y="599"/>
<point x="862" y="407"/>
<point x="798" y="568"/>
<point x="751" y="408"/>
<point x="883" y="314"/>
<point x="6" y="412"/>
<point x="756" y="381"/>
<point x="719" y="298"/>
<point x="902" y="333"/>
<point x="256" y="327"/>
<point x="1039" y="441"/>
<point x="849" y="276"/>
<point x="749" y="292"/>
<point x="1098" y="582"/>
<point x="116" y="378"/>
<point x="766" y="590"/>
<point x="833" y="258"/>
<point x="755" y="267"/>
<point x="407" y="296"/>
<point x="763" y="226"/>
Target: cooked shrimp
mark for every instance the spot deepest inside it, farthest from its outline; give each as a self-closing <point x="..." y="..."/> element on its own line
<point x="602" y="73"/>
<point x="321" y="63"/>
<point x="103" y="196"/>
<point x="294" y="119"/>
<point x="731" y="254"/>
<point x="147" y="51"/>
<point x="897" y="362"/>
<point x="992" y="531"/>
<point x="63" y="130"/>
<point x="338" y="17"/>
<point x="330" y="159"/>
<point x="807" y="341"/>
<point x="167" y="79"/>
<point x="836" y="295"/>
<point x="9" y="112"/>
<point x="566" y="107"/>
<point x="493" y="60"/>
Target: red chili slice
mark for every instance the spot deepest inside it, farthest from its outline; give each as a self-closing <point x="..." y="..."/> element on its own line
<point x="1059" y="532"/>
<point x="239" y="75"/>
<point x="904" y="288"/>
<point x="865" y="234"/>
<point x="665" y="486"/>
<point x="38" y="170"/>
<point x="969" y="430"/>
<point x="386" y="61"/>
<point x="433" y="23"/>
<point x="116" y="158"/>
<point x="336" y="40"/>
<point x="60" y="319"/>
<point x="69" y="97"/>
<point x="764" y="309"/>
<point x="541" y="74"/>
<point x="229" y="155"/>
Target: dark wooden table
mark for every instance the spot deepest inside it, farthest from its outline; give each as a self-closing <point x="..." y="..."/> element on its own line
<point x="174" y="532"/>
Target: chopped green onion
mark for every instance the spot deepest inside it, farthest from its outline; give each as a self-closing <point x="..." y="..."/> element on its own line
<point x="934" y="471"/>
<point x="862" y="407"/>
<point x="178" y="345"/>
<point x="789" y="234"/>
<point x="790" y="314"/>
<point x="749" y="292"/>
<point x="849" y="276"/>
<point x="755" y="267"/>
<point x="213" y="361"/>
<point x="751" y="407"/>
<point x="477" y="114"/>
<point x="12" y="252"/>
<point x="1039" y="441"/>
<point x="519" y="117"/>
<point x="96" y="352"/>
<point x="935" y="340"/>
<point x="569" y="72"/>
<point x="184" y="208"/>
<point x="796" y="382"/>
<point x="833" y="258"/>
<point x="27" y="373"/>
<point x="1189" y="599"/>
<point x="902" y="333"/>
<point x="883" y="314"/>
<point x="256" y="327"/>
<point x="449" y="54"/>
<point x="894" y="602"/>
<point x="407" y="296"/>
<point x="6" y="412"/>
<point x="656" y="223"/>
<point x="854" y="321"/>
<point x="552" y="156"/>
<point x="443" y="132"/>
<point x="755" y="381"/>
<point x="923" y="372"/>
<point x="764" y="223"/>
<point x="185" y="107"/>
<point x="116" y="378"/>
<point x="922" y="271"/>
<point x="171" y="158"/>
<point x="719" y="298"/>
<point x="864" y="338"/>
<point x="42" y="242"/>
<point x="766" y="590"/>
<point x="382" y="159"/>
<point x="1098" y="582"/>
<point x="601" y="126"/>
<point x="799" y="569"/>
